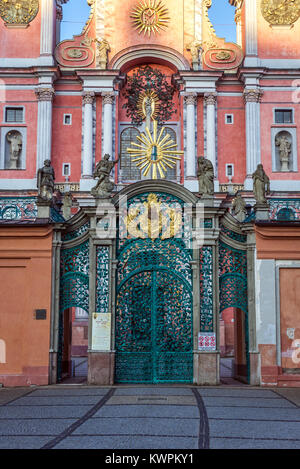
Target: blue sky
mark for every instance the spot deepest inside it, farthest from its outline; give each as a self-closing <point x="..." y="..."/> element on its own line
<point x="76" y="12"/>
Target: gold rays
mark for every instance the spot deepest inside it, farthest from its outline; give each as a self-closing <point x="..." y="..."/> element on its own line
<point x="145" y="98"/>
<point x="154" y="153"/>
<point x="150" y="16"/>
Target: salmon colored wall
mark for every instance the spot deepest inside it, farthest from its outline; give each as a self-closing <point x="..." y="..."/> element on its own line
<point x="289" y="314"/>
<point x="277" y="242"/>
<point x="270" y="101"/>
<point x="25" y="285"/>
<point x="118" y="19"/>
<point x="21" y="43"/>
<point x="28" y="100"/>
<point x="231" y="138"/>
<point x="277" y="43"/>
<point x="66" y="146"/>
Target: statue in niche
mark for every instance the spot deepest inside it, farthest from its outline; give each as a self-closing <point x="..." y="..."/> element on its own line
<point x="285" y="149"/>
<point x="195" y="47"/>
<point x="103" y="48"/>
<point x="105" y="185"/>
<point x="45" y="182"/>
<point x="205" y="176"/>
<point x="14" y="139"/>
<point x="261" y="185"/>
<point x="239" y="208"/>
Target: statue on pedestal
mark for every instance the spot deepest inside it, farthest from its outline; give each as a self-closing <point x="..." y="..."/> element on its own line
<point x="45" y="182"/>
<point x="205" y="176"/>
<point x="15" y="140"/>
<point x="105" y="185"/>
<point x="261" y="185"/>
<point x="239" y="208"/>
<point x="195" y="48"/>
<point x="285" y="148"/>
<point x="103" y="48"/>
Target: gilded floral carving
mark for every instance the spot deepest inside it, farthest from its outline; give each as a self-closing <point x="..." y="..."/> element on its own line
<point x="280" y="12"/>
<point x="18" y="12"/>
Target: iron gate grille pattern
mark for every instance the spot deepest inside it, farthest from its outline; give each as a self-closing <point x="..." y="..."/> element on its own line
<point x="154" y="309"/>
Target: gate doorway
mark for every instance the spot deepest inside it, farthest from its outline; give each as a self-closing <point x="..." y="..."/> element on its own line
<point x="154" y="329"/>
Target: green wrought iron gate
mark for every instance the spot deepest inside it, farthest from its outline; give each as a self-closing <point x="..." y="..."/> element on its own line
<point x="154" y="310"/>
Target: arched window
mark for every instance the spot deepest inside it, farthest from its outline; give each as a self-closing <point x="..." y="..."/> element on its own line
<point x="129" y="170"/>
<point x="171" y="172"/>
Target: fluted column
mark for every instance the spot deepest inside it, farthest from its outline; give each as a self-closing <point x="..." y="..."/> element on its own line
<point x="44" y="129"/>
<point x="108" y="101"/>
<point x="252" y="99"/>
<point x="210" y="101"/>
<point x="47" y="27"/>
<point x="87" y="163"/>
<point x="191" y="101"/>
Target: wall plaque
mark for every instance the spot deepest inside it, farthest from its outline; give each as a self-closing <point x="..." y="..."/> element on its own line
<point x="101" y="331"/>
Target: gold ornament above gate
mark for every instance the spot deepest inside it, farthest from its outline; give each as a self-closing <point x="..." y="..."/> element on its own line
<point x="18" y="12"/>
<point x="155" y="153"/>
<point x="153" y="219"/>
<point x="280" y="12"/>
<point x="150" y="16"/>
<point x="148" y="105"/>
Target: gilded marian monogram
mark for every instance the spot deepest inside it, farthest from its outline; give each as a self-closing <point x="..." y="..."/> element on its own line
<point x="150" y="16"/>
<point x="281" y="12"/>
<point x="18" y="12"/>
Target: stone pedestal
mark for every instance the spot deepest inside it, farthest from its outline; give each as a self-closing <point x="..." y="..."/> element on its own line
<point x="207" y="368"/>
<point x="254" y="358"/>
<point x="262" y="212"/>
<point x="101" y="368"/>
<point x="43" y="209"/>
<point x="207" y="200"/>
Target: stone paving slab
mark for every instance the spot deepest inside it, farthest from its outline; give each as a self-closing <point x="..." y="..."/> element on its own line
<point x="66" y="400"/>
<point x="9" y="394"/>
<point x="219" y="443"/>
<point x="292" y="395"/>
<point x="250" y="393"/>
<point x="134" y="426"/>
<point x="246" y="413"/>
<point x="34" y="427"/>
<point x="250" y="429"/>
<point x="170" y="400"/>
<point x="169" y="411"/>
<point x="153" y="391"/>
<point x="36" y="412"/>
<point x="246" y="402"/>
<point x="23" y="442"/>
<point x="70" y="392"/>
<point x="127" y="442"/>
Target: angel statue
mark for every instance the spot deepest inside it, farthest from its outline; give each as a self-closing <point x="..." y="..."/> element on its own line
<point x="105" y="185"/>
<point x="45" y="182"/>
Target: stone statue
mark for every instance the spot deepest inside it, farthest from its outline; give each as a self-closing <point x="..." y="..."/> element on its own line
<point x="195" y="47"/>
<point x="285" y="148"/>
<point x="205" y="176"/>
<point x="239" y="208"/>
<point x="45" y="182"/>
<point x="67" y="206"/>
<point x="105" y="185"/>
<point x="103" y="48"/>
<point x="15" y="140"/>
<point x="261" y="185"/>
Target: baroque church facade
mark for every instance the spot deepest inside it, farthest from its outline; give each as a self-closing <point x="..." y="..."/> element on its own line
<point x="116" y="147"/>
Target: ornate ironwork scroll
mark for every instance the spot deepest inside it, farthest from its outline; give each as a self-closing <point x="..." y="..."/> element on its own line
<point x="102" y="279"/>
<point x="18" y="208"/>
<point x="206" y="289"/>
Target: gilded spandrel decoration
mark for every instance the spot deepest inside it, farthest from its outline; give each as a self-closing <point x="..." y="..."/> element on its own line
<point x="150" y="16"/>
<point x="18" y="12"/>
<point x="280" y="12"/>
<point x="154" y="153"/>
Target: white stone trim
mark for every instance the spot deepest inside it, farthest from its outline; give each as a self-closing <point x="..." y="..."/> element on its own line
<point x="18" y="184"/>
<point x="47" y="61"/>
<point x="251" y="27"/>
<point x="272" y="63"/>
<point x="9" y="106"/>
<point x="285" y="185"/>
<point x="265" y="299"/>
<point x="47" y="27"/>
<point x="44" y="132"/>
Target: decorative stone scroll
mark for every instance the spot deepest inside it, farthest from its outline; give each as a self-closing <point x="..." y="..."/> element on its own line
<point x="76" y="53"/>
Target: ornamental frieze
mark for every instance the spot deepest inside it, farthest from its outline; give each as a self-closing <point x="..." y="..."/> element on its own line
<point x="280" y="12"/>
<point x="20" y="12"/>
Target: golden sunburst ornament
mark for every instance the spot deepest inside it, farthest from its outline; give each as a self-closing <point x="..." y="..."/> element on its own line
<point x="150" y="16"/>
<point x="155" y="153"/>
<point x="148" y="105"/>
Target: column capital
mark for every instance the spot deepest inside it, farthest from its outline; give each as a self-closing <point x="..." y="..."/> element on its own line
<point x="108" y="97"/>
<point x="88" y="97"/>
<point x="210" y="98"/>
<point x="44" y="94"/>
<point x="190" y="98"/>
<point x="253" y="95"/>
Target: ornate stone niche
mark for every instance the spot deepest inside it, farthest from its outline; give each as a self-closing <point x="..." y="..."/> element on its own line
<point x="284" y="149"/>
<point x="13" y="148"/>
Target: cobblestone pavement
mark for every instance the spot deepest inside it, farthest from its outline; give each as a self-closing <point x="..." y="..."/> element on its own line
<point x="149" y="417"/>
